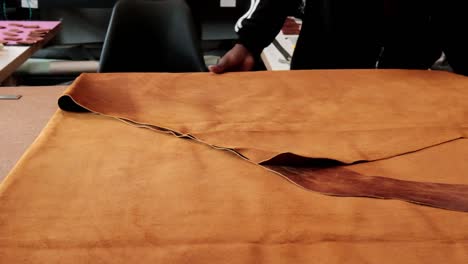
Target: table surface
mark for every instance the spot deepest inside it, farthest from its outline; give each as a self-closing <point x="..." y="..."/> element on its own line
<point x="22" y="120"/>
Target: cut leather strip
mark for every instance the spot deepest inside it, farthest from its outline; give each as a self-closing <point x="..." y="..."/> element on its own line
<point x="339" y="181"/>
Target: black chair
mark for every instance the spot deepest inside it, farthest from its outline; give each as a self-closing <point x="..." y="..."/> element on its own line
<point x="152" y="36"/>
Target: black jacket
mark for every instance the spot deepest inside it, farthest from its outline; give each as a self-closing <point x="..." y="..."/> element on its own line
<point x="408" y="34"/>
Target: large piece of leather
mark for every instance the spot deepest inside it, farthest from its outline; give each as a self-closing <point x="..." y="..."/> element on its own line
<point x="122" y="185"/>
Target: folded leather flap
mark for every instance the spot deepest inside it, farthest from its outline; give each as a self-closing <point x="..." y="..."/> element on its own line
<point x="346" y="116"/>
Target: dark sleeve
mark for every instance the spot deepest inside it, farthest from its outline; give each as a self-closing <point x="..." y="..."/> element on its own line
<point x="262" y="22"/>
<point x="452" y="22"/>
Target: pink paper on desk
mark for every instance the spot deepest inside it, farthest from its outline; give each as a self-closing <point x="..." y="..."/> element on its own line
<point x="24" y="26"/>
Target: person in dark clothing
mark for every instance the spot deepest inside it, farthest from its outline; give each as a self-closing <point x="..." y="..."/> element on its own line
<point x="362" y="34"/>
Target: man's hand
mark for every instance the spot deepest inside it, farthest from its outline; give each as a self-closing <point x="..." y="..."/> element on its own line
<point x="291" y="27"/>
<point x="237" y="59"/>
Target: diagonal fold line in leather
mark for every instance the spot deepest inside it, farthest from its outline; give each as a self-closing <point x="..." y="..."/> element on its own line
<point x="67" y="103"/>
<point x="329" y="178"/>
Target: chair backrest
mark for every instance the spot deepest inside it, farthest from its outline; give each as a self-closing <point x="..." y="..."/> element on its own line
<point x="152" y="36"/>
